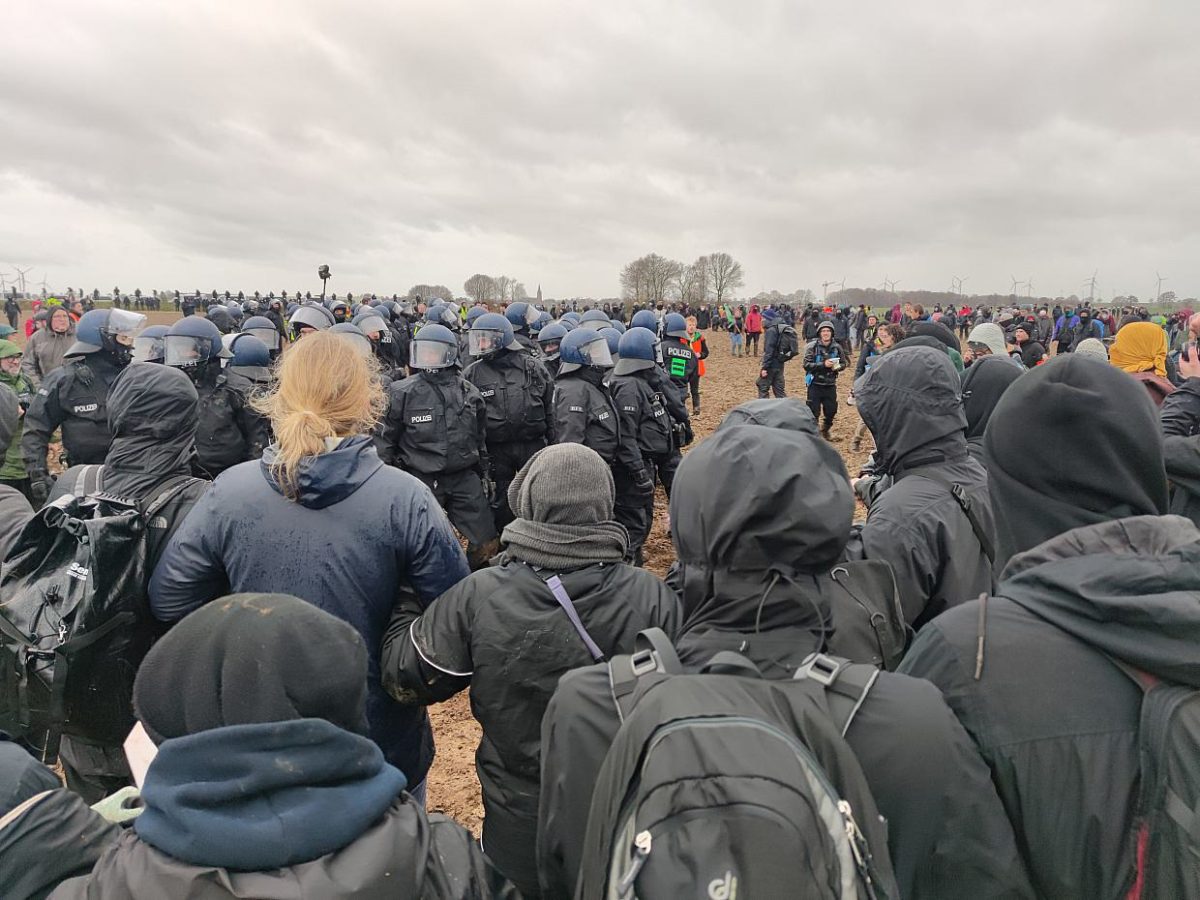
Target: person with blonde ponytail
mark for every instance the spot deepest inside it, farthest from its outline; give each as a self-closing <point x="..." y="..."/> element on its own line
<point x="321" y="517"/>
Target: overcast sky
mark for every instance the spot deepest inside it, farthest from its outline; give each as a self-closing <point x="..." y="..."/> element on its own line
<point x="240" y="144"/>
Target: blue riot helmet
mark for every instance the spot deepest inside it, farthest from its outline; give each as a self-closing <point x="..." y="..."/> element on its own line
<point x="569" y="324"/>
<point x="221" y="317"/>
<point x="474" y="313"/>
<point x="573" y="316"/>
<point x="109" y="330"/>
<point x="543" y="320"/>
<point x="583" y="348"/>
<point x="549" y="339"/>
<point x="291" y="309"/>
<point x="340" y="310"/>
<point x="594" y="319"/>
<point x="441" y="314"/>
<point x="638" y="350"/>
<point x="614" y="340"/>
<point x="645" y="318"/>
<point x="435" y="347"/>
<point x="490" y="334"/>
<point x="619" y="325"/>
<point x="148" y="346"/>
<point x="352" y="333"/>
<point x="191" y="344"/>
<point x="370" y="322"/>
<point x="264" y="329"/>
<point x="247" y="350"/>
<point x="310" y="317"/>
<point x="521" y="315"/>
<point x="675" y="325"/>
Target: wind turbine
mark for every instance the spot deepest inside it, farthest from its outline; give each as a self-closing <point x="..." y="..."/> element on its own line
<point x="1158" y="293"/>
<point x="44" y="286"/>
<point x="825" y="289"/>
<point x="1015" y="284"/>
<point x="1029" y="289"/>
<point x="1091" y="283"/>
<point x="21" y="273"/>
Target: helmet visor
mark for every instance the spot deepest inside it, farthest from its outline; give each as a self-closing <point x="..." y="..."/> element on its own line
<point x="183" y="351"/>
<point x="147" y="349"/>
<point x="268" y="336"/>
<point x="310" y="318"/>
<point x="594" y="324"/>
<point x="550" y="347"/>
<point x="124" y="325"/>
<point x="370" y="325"/>
<point x="361" y="344"/>
<point x="432" y="354"/>
<point x="531" y="314"/>
<point x="482" y="341"/>
<point x="596" y="353"/>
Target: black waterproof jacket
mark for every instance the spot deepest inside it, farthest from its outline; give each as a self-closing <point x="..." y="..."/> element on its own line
<point x="519" y="396"/>
<point x="51" y="837"/>
<point x="910" y="401"/>
<point x="1055" y="719"/>
<point x="229" y="431"/>
<point x="502" y="632"/>
<point x="815" y="356"/>
<point x="75" y="398"/>
<point x="436" y="424"/>
<point x="584" y="413"/>
<point x="643" y="412"/>
<point x="1180" y="411"/>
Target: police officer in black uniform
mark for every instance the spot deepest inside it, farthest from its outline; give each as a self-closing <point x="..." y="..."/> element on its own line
<point x="75" y="396"/>
<point x="585" y="413"/>
<point x="520" y="403"/>
<point x="549" y="339"/>
<point x="436" y="429"/>
<point x="230" y="431"/>
<point x="679" y="359"/>
<point x="383" y="344"/>
<point x="522" y="317"/>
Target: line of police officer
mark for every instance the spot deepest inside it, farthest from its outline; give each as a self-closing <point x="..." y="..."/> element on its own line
<point x="465" y="432"/>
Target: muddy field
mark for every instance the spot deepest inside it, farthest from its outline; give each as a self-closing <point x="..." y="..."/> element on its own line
<point x="453" y="788"/>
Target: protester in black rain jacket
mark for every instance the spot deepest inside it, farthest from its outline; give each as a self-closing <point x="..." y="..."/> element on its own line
<point x="231" y="430"/>
<point x="1092" y="573"/>
<point x="751" y="577"/>
<point x="519" y="395"/>
<point x="503" y="633"/>
<point x="47" y="834"/>
<point x="911" y="403"/>
<point x="265" y="783"/>
<point x="152" y="417"/>
<point x="983" y="384"/>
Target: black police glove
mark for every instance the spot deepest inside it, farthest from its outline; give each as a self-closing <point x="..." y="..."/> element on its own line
<point x="489" y="486"/>
<point x="40" y="486"/>
<point x="643" y="483"/>
<point x="688" y="436"/>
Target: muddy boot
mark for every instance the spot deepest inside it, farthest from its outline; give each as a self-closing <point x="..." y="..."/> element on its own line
<point x="480" y="557"/>
<point x="695" y="409"/>
<point x="825" y="433"/>
<point x="856" y="445"/>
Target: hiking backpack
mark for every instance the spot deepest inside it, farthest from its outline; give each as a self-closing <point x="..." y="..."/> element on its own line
<point x="725" y="785"/>
<point x="789" y="344"/>
<point x="1168" y="830"/>
<point x="74" y="617"/>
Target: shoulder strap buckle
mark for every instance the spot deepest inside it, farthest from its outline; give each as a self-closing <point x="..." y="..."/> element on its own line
<point x="821" y="668"/>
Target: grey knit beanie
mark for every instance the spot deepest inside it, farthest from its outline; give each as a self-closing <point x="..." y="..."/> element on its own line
<point x="564" y="484"/>
<point x="1092" y="347"/>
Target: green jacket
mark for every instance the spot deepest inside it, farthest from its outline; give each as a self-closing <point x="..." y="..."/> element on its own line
<point x="12" y="468"/>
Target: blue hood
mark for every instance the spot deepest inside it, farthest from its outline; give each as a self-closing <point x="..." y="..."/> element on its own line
<point x="331" y="477"/>
<point x="259" y="797"/>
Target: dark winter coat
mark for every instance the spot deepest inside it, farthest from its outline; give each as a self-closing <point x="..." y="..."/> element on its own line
<point x="983" y="384"/>
<point x="1180" y="411"/>
<point x="770" y="357"/>
<point x="519" y="396"/>
<point x="75" y="398"/>
<point x="436" y="424"/>
<point x="815" y="355"/>
<point x="910" y="402"/>
<point x="360" y="535"/>
<point x="643" y="412"/>
<point x="1055" y="719"/>
<point x="230" y="431"/>
<point x="584" y="413"/>
<point x="502" y="632"/>
<point x="51" y="837"/>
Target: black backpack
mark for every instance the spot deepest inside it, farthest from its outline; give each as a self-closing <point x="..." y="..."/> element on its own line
<point x="74" y="617"/>
<point x="789" y="343"/>
<point x="725" y="785"/>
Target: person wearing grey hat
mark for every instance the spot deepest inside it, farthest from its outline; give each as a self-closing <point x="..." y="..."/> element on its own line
<point x="560" y="598"/>
<point x="1093" y="347"/>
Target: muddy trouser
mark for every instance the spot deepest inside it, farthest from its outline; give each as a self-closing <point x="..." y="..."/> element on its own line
<point x="846" y="351"/>
<point x="461" y="496"/>
<point x="694" y="386"/>
<point x="507" y="459"/>
<point x="772" y="382"/>
<point x="752" y="341"/>
<point x="630" y="509"/>
<point x="93" y="771"/>
<point x="13" y="319"/>
<point x="665" y="465"/>
<point x="823" y="397"/>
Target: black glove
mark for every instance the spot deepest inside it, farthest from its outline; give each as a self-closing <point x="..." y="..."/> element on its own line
<point x="688" y="436"/>
<point x="40" y="486"/>
<point x="643" y="483"/>
<point x="489" y="486"/>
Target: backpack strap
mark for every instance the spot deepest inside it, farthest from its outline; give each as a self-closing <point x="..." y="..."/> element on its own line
<point x="169" y="490"/>
<point x="653" y="654"/>
<point x="968" y="507"/>
<point x="554" y="583"/>
<point x="89" y="480"/>
<point x="846" y="685"/>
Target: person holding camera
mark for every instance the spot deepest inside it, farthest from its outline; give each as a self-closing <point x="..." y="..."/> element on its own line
<point x="823" y="360"/>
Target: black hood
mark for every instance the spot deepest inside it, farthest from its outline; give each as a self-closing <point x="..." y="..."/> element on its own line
<point x="790" y="413"/>
<point x="1127" y="587"/>
<point x="938" y="332"/>
<point x="983" y="384"/>
<point x="152" y="415"/>
<point x="751" y="501"/>
<point x="910" y="400"/>
<point x="1073" y="442"/>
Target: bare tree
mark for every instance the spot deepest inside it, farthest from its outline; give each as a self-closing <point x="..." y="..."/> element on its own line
<point x="504" y="286"/>
<point x="480" y="288"/>
<point x="518" y="292"/>
<point x="649" y="279"/>
<point x="693" y="282"/>
<point x="724" y="275"/>
<point x="430" y="292"/>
